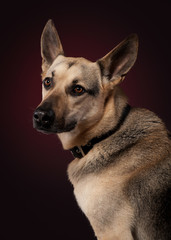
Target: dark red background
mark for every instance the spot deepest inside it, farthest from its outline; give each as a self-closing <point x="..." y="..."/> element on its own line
<point x="37" y="200"/>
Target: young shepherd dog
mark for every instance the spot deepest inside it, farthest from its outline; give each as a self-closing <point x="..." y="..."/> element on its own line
<point x="122" y="168"/>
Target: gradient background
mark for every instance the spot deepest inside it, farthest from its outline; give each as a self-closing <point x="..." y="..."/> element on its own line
<point x="37" y="200"/>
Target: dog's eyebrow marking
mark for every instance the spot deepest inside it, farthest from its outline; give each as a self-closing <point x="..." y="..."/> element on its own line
<point x="49" y="75"/>
<point x="75" y="81"/>
<point x="70" y="64"/>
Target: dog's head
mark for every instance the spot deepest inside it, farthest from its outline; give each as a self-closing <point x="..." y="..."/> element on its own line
<point x="74" y="90"/>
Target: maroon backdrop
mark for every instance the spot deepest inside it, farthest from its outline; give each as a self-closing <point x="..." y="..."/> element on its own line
<point x="37" y="200"/>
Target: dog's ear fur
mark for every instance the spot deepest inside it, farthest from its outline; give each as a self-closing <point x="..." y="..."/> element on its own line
<point x="119" y="61"/>
<point x="51" y="45"/>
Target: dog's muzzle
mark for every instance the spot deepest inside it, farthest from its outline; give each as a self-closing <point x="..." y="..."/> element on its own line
<point x="43" y="120"/>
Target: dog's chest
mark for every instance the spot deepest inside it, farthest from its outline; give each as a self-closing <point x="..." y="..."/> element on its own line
<point x="87" y="192"/>
<point x="97" y="195"/>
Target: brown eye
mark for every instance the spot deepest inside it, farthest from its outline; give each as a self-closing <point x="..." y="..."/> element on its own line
<point x="47" y="82"/>
<point x="77" y="90"/>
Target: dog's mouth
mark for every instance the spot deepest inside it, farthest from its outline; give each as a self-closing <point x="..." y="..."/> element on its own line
<point x="53" y="127"/>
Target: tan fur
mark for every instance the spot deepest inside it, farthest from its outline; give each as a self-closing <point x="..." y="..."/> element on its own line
<point x="123" y="183"/>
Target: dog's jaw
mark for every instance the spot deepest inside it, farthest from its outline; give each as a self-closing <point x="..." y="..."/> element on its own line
<point x="67" y="138"/>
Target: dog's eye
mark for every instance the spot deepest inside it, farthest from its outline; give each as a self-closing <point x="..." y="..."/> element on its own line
<point x="77" y="90"/>
<point x="47" y="82"/>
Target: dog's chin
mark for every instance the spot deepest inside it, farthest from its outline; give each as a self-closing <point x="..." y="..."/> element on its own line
<point x="46" y="131"/>
<point x="56" y="129"/>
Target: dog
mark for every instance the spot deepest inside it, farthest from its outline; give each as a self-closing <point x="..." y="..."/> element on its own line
<point x="122" y="168"/>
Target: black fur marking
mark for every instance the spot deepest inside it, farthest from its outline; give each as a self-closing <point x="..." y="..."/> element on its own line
<point x="93" y="91"/>
<point x="74" y="81"/>
<point x="134" y="233"/>
<point x="169" y="135"/>
<point x="70" y="64"/>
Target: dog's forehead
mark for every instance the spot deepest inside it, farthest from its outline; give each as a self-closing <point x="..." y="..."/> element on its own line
<point x="72" y="67"/>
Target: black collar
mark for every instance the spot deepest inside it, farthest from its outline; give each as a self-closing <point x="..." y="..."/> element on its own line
<point x="79" y="152"/>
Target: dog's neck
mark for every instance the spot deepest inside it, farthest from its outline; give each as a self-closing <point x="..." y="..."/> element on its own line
<point x="113" y="110"/>
<point x="81" y="151"/>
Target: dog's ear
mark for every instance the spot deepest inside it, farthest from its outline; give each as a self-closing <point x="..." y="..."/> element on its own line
<point x="51" y="45"/>
<point x="119" y="61"/>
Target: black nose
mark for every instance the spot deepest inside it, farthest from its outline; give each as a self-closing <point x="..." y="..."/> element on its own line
<point x="43" y="119"/>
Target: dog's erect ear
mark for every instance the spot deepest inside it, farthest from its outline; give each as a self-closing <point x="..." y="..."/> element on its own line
<point x="51" y="45"/>
<point x="119" y="61"/>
